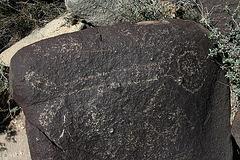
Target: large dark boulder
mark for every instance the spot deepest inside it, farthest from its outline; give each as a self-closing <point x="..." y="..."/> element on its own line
<point x="129" y="91"/>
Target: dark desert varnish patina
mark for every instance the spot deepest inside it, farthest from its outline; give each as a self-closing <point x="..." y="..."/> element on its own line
<point x="126" y="91"/>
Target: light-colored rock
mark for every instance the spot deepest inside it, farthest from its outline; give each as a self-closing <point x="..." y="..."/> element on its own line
<point x="236" y="128"/>
<point x="56" y="27"/>
<point x="235" y="105"/>
<point x="98" y="12"/>
<point x="109" y="12"/>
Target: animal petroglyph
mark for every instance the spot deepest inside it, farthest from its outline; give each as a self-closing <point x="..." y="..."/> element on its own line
<point x="126" y="91"/>
<point x="189" y="71"/>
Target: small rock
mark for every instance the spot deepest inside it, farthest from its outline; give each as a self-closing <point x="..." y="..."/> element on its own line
<point x="236" y="128"/>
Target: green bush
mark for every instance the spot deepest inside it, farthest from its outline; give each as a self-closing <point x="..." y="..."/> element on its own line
<point x="228" y="47"/>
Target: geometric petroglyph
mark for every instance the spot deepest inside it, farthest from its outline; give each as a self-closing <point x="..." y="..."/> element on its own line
<point x="188" y="72"/>
<point x="190" y="67"/>
<point x="120" y="92"/>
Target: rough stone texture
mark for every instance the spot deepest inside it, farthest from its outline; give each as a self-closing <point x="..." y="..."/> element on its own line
<point x="56" y="27"/>
<point x="127" y="91"/>
<point x="105" y="12"/>
<point x="236" y="128"/>
<point x="100" y="12"/>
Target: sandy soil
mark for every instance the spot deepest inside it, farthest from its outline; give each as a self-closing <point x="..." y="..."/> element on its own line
<point x="13" y="142"/>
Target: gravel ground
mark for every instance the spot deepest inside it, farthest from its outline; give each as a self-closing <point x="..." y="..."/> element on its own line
<point x="13" y="142"/>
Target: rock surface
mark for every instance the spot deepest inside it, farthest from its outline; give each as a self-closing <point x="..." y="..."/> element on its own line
<point x="124" y="92"/>
<point x="56" y="27"/>
<point x="236" y="128"/>
<point x="99" y="13"/>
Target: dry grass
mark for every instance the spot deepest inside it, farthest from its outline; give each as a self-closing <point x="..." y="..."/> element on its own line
<point x="18" y="18"/>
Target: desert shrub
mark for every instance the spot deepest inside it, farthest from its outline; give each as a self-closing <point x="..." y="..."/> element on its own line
<point x="227" y="44"/>
<point x="145" y="10"/>
<point x="228" y="47"/>
<point x="19" y="17"/>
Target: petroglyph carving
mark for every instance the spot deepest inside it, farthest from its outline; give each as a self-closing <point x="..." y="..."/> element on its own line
<point x="189" y="71"/>
<point x="122" y="92"/>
